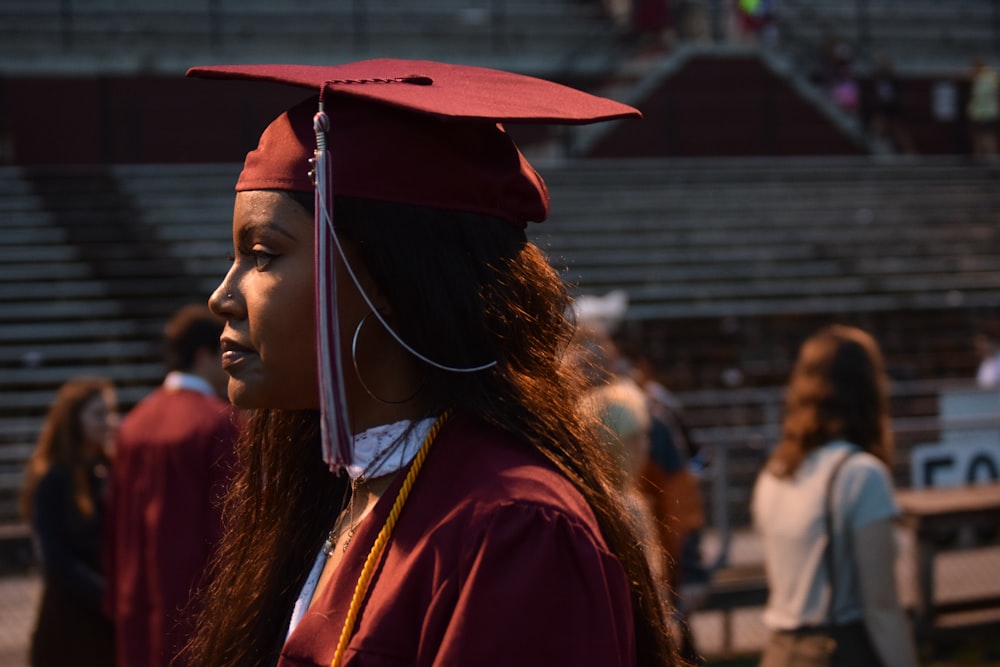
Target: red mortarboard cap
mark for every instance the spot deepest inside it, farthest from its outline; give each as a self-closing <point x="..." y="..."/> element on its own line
<point x="415" y="132"/>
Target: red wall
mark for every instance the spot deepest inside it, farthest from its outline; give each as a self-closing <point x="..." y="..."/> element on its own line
<point x="137" y="119"/>
<point x="725" y="106"/>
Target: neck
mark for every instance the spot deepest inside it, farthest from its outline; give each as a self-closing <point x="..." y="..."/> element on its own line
<point x="392" y="389"/>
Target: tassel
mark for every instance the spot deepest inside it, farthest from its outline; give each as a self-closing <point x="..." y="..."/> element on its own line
<point x="334" y="422"/>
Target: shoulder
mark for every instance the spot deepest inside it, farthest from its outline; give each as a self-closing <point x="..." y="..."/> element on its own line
<point x="54" y="483"/>
<point x="162" y="399"/>
<point x="142" y="412"/>
<point x="58" y="473"/>
<point x="865" y="487"/>
<point x="808" y="483"/>
<point x="193" y="409"/>
<point x="863" y="470"/>
<point x="495" y="464"/>
<point x="490" y="477"/>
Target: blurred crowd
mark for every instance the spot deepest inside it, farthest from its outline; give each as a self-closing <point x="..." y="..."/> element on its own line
<point x="125" y="514"/>
<point x="858" y="80"/>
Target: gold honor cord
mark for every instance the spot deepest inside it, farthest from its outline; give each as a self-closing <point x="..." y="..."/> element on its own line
<point x="375" y="555"/>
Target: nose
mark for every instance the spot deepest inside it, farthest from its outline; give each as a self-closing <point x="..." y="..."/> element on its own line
<point x="217" y="299"/>
<point x="221" y="301"/>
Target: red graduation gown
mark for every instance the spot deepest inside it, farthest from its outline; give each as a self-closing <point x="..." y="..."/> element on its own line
<point x="173" y="456"/>
<point x="496" y="560"/>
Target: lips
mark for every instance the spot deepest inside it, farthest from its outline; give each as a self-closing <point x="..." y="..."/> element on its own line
<point x="234" y="353"/>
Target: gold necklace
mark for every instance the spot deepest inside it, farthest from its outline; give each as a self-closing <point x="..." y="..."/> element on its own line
<point x="348" y="514"/>
<point x="374" y="556"/>
<point x="335" y="532"/>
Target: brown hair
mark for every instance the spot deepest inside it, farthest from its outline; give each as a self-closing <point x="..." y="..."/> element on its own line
<point x="193" y="327"/>
<point x="838" y="390"/>
<point x="502" y="301"/>
<point x="61" y="443"/>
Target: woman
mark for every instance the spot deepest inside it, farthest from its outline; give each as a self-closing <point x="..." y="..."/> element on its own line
<point x="63" y="499"/>
<point x="395" y="319"/>
<point x="835" y="440"/>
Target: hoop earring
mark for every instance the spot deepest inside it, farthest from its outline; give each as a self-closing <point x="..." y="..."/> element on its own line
<point x="357" y="369"/>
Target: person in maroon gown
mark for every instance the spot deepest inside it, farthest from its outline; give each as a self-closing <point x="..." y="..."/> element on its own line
<point x="173" y="456"/>
<point x="416" y="485"/>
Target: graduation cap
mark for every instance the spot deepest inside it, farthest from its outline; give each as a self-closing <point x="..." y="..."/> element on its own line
<point x="407" y="131"/>
<point x="415" y="132"/>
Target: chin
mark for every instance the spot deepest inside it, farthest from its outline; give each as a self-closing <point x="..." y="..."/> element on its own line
<point x="251" y="397"/>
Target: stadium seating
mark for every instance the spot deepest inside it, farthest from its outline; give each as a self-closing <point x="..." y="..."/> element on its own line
<point x="728" y="265"/>
<point x="111" y="36"/>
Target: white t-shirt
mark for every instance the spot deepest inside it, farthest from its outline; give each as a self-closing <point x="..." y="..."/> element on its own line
<point x="988" y="374"/>
<point x="789" y="516"/>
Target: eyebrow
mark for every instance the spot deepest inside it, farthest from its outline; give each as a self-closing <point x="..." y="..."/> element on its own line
<point x="270" y="225"/>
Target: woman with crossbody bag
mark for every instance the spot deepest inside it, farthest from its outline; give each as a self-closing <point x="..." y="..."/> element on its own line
<point x="824" y="508"/>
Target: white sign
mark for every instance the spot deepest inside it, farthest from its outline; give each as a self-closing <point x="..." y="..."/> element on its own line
<point x="955" y="464"/>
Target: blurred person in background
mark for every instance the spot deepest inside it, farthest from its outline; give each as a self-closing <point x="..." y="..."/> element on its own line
<point x="671" y="487"/>
<point x="622" y="422"/>
<point x="824" y="508"/>
<point x="983" y="110"/>
<point x="886" y="107"/>
<point x="63" y="499"/>
<point x="653" y="24"/>
<point x="757" y="21"/>
<point x="173" y="458"/>
<point x="987" y="345"/>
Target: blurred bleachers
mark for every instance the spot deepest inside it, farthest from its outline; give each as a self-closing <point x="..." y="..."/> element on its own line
<point x="744" y="238"/>
<point x="923" y="36"/>
<point x="95" y="259"/>
<point x="532" y="36"/>
<point x="116" y="36"/>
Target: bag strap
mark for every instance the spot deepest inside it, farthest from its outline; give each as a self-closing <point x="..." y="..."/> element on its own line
<point x="828" y="553"/>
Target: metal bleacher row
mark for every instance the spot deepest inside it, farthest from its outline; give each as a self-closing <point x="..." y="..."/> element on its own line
<point x="94" y="260"/>
<point x="718" y="239"/>
<point x="168" y="35"/>
<point x="532" y="36"/>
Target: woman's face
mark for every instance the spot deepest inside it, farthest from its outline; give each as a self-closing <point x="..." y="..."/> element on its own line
<point x="269" y="342"/>
<point x="99" y="420"/>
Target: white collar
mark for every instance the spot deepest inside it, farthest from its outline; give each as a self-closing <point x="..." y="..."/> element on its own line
<point x="179" y="380"/>
<point x="382" y="450"/>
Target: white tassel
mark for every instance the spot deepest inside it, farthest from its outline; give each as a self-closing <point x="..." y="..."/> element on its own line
<point x="333" y="399"/>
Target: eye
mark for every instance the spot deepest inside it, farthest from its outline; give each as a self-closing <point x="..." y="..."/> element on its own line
<point x="261" y="258"/>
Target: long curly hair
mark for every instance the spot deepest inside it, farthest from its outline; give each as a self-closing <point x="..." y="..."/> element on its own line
<point x="62" y="443"/>
<point x="838" y="390"/>
<point x="466" y="288"/>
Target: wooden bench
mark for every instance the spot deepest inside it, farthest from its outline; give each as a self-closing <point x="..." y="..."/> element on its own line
<point x="15" y="547"/>
<point x="16" y="550"/>
<point x="936" y="516"/>
<point x="732" y="588"/>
